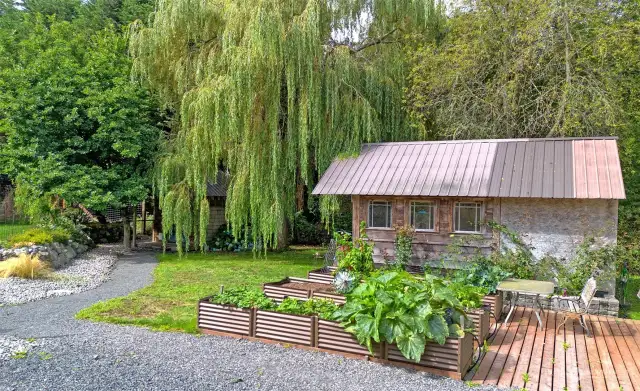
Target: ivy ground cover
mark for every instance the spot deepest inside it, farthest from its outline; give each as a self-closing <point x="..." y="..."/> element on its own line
<point x="170" y="302"/>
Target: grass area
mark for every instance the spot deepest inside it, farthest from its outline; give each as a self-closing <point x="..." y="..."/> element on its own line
<point x="7" y="230"/>
<point x="170" y="302"/>
<point x="633" y="285"/>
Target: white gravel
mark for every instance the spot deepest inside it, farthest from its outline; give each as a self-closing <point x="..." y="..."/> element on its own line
<point x="16" y="348"/>
<point x="85" y="272"/>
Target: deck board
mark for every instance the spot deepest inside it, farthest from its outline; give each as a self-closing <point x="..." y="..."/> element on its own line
<point x="568" y="360"/>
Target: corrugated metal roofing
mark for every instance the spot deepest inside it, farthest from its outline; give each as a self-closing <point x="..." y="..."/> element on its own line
<point x="218" y="189"/>
<point x="529" y="168"/>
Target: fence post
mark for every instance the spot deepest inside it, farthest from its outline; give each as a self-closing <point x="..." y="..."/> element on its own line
<point x="314" y="331"/>
<point x="252" y="321"/>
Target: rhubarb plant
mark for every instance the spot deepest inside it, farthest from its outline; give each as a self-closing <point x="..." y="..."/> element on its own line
<point x="396" y="307"/>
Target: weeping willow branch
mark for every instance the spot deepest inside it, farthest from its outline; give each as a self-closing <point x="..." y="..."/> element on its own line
<point x="257" y="92"/>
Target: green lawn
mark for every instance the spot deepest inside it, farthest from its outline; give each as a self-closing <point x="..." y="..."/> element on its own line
<point x="632" y="289"/>
<point x="170" y="302"/>
<point x="7" y="230"/>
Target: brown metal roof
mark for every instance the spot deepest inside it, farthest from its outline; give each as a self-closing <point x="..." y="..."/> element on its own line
<point x="219" y="188"/>
<point x="530" y="168"/>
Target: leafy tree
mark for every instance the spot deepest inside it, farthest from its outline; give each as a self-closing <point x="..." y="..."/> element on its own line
<point x="273" y="90"/>
<point x="75" y="126"/>
<point x="534" y="68"/>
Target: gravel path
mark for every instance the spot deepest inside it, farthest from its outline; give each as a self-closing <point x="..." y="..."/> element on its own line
<point x="85" y="272"/>
<point x="68" y="354"/>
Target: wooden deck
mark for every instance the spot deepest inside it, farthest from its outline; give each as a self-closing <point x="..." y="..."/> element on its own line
<point x="521" y="355"/>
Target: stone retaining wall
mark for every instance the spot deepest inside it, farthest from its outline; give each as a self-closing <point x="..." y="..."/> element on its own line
<point x="57" y="254"/>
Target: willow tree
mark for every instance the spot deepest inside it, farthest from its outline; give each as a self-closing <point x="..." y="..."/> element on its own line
<point x="271" y="90"/>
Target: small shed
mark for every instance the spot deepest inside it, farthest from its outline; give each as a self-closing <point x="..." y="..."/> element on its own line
<point x="217" y="196"/>
<point x="553" y="192"/>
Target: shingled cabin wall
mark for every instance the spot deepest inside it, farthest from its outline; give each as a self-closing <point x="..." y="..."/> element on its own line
<point x="427" y="246"/>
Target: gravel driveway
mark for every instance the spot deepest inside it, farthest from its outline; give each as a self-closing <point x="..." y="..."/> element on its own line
<point x="67" y="354"/>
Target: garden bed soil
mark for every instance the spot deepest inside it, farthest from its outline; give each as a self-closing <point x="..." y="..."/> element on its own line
<point x="303" y="289"/>
<point x="452" y="359"/>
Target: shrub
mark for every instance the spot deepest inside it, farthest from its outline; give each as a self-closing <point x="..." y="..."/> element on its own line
<point x="403" y="246"/>
<point x="469" y="296"/>
<point x="39" y="236"/>
<point x="223" y="240"/>
<point x="359" y="258"/>
<point x="324" y="308"/>
<point x="305" y="231"/>
<point x="242" y="297"/>
<point x="482" y="273"/>
<point x="396" y="307"/>
<point x="24" y="266"/>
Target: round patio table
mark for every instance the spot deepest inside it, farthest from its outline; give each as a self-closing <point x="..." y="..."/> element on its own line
<point x="534" y="288"/>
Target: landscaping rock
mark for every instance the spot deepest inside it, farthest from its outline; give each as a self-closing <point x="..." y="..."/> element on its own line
<point x="80" y="274"/>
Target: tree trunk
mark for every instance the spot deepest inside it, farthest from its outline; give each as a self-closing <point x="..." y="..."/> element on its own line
<point x="283" y="236"/>
<point x="157" y="220"/>
<point x="135" y="226"/>
<point x="126" y="229"/>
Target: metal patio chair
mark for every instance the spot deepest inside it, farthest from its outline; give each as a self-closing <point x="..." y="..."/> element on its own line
<point x="330" y="255"/>
<point x="578" y="307"/>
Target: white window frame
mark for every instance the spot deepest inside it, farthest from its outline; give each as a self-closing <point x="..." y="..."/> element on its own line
<point x="434" y="212"/>
<point x="479" y="214"/>
<point x="370" y="215"/>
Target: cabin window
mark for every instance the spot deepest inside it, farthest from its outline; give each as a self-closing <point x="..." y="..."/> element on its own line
<point x="466" y="217"/>
<point x="379" y="214"/>
<point x="423" y="216"/>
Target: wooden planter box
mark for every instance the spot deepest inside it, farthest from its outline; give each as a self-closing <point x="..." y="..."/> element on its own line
<point x="452" y="359"/>
<point x="322" y="275"/>
<point x="224" y="319"/>
<point x="277" y="292"/>
<point x="494" y="302"/>
<point x="481" y="319"/>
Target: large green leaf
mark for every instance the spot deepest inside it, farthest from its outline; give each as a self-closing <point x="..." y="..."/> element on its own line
<point x="390" y="329"/>
<point x="385" y="278"/>
<point x="411" y="345"/>
<point x="437" y="330"/>
<point x="368" y="326"/>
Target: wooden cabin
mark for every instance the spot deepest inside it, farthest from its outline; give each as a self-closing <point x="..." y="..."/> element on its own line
<point x="552" y="192"/>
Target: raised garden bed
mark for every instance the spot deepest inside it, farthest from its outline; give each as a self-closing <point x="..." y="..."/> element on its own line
<point x="303" y="289"/>
<point x="322" y="275"/>
<point x="481" y="320"/>
<point x="452" y="359"/>
<point x="494" y="302"/>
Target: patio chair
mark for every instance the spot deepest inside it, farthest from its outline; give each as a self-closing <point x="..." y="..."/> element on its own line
<point x="330" y="255"/>
<point x="577" y="307"/>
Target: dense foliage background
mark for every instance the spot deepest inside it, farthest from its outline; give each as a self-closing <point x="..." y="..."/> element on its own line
<point x="273" y="90"/>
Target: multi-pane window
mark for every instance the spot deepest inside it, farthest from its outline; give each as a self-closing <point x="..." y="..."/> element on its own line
<point x="379" y="214"/>
<point x="466" y="217"/>
<point x="423" y="216"/>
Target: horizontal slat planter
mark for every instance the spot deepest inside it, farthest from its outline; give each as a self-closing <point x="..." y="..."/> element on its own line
<point x="321" y="275"/>
<point x="294" y="329"/>
<point x="480" y="318"/>
<point x="277" y="292"/>
<point x="308" y="332"/>
<point x="494" y="302"/>
<point x="224" y="319"/>
<point x="332" y="336"/>
<point x="454" y="356"/>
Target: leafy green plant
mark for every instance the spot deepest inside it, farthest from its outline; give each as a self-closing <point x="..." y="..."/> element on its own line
<point x="39" y="236"/>
<point x="481" y="273"/>
<point x="469" y="296"/>
<point x="359" y="258"/>
<point x="244" y="298"/>
<point x="403" y="245"/>
<point x="396" y="307"/>
<point x="324" y="308"/>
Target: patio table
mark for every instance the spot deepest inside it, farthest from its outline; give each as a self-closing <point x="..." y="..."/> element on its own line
<point x="535" y="288"/>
